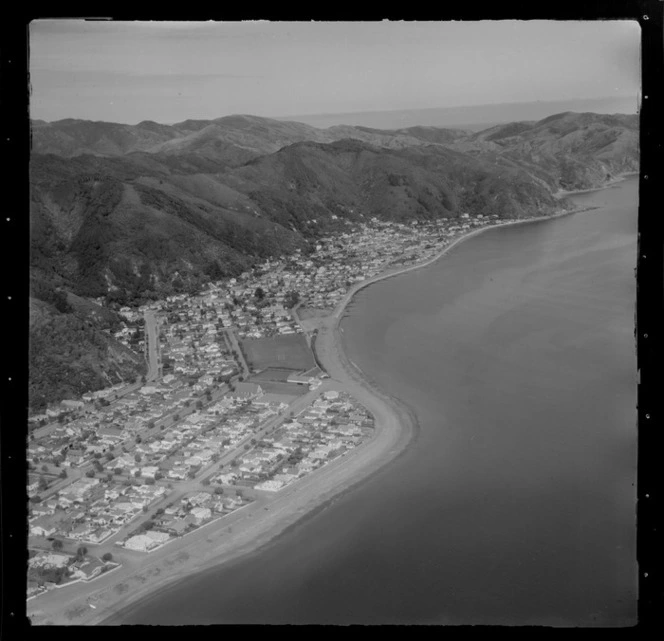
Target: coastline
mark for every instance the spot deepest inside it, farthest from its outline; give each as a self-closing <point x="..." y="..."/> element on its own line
<point x="611" y="183"/>
<point x="396" y="427"/>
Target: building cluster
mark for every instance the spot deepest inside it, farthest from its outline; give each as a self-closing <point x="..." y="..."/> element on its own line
<point x="182" y="517"/>
<point x="48" y="569"/>
<point x="344" y="259"/>
<point x="321" y="279"/>
<point x="327" y="429"/>
<point x="94" y="508"/>
<point x="197" y="334"/>
<point x="91" y="511"/>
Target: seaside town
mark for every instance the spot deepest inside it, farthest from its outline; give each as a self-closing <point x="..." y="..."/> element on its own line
<point x="235" y="408"/>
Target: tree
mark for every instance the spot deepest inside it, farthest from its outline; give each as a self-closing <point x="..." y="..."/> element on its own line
<point x="291" y="299"/>
<point x="178" y="284"/>
<point x="107" y="557"/>
<point x="259" y="294"/>
<point x="199" y="405"/>
<point x="57" y="544"/>
<point x="63" y="474"/>
<point x="205" y="481"/>
<point x="109" y="456"/>
<point x="81" y="552"/>
<point x="137" y="458"/>
<point x="90" y="473"/>
<point x="137" y="473"/>
<point x="43" y="484"/>
<point x="158" y="476"/>
<point x="219" y="490"/>
<point x="44" y="468"/>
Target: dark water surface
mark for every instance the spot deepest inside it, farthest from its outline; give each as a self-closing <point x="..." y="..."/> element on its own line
<point x="516" y="502"/>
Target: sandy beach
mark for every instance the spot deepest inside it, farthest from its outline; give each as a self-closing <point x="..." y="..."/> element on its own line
<point x="253" y="527"/>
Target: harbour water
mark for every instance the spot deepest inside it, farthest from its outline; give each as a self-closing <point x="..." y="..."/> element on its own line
<point x="515" y="503"/>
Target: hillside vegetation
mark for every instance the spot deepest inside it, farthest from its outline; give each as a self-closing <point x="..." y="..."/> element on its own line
<point x="71" y="351"/>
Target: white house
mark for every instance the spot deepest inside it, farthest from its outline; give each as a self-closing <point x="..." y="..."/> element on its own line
<point x="149" y="471"/>
<point x="201" y="514"/>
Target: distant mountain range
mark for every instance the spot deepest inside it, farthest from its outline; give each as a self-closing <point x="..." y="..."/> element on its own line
<point x="133" y="212"/>
<point x="472" y="117"/>
<point x="110" y="200"/>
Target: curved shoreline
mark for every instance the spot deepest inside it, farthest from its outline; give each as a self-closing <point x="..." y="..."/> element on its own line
<point x="396" y="427"/>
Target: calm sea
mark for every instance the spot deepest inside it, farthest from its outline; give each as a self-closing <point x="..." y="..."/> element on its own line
<point x="516" y="502"/>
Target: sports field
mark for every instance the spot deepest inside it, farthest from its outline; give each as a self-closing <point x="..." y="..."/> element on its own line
<point x="287" y="352"/>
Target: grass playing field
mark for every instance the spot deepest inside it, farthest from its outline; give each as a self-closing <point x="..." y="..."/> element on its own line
<point x="288" y="352"/>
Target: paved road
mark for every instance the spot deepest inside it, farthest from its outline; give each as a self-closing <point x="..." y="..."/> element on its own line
<point x="152" y="338"/>
<point x="236" y="346"/>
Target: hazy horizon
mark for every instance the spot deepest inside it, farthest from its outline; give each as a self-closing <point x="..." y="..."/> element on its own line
<point x="455" y="117"/>
<point x="167" y="72"/>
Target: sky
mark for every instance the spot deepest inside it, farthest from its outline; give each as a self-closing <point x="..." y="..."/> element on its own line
<point x="171" y="71"/>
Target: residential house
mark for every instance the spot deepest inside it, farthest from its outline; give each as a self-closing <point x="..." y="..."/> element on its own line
<point x="42" y="526"/>
<point x="201" y="514"/>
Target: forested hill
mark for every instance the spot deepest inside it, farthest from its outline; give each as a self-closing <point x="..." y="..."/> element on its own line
<point x="137" y="212"/>
<point x="71" y="349"/>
